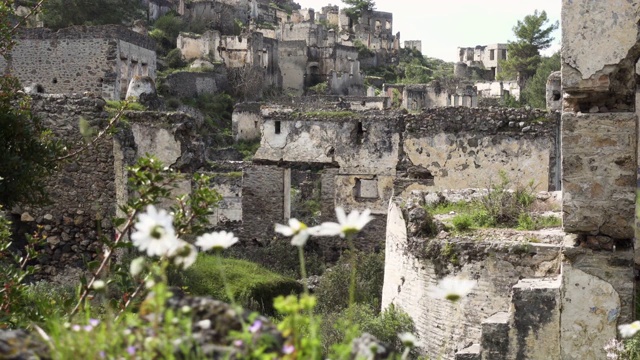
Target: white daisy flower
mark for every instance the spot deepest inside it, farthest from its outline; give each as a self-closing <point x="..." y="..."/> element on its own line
<point x="137" y="265"/>
<point x="99" y="285"/>
<point x="183" y="254"/>
<point x="346" y="225"/>
<point x="628" y="330"/>
<point x="408" y="339"/>
<point x="451" y="288"/>
<point x="154" y="232"/>
<point x="298" y="230"/>
<point x="216" y="240"/>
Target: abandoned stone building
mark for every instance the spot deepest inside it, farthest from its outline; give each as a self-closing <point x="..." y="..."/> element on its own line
<point x="557" y="297"/>
<point x="482" y="60"/>
<point x="97" y="59"/>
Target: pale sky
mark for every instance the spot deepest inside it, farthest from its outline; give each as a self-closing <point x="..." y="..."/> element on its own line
<point x="444" y="25"/>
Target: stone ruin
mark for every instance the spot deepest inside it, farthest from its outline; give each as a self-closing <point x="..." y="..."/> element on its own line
<point x="560" y="298"/>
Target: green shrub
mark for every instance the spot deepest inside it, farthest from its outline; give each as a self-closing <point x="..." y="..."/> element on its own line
<point x="280" y="257"/>
<point x="462" y="222"/>
<point x="251" y="285"/>
<point x="332" y="291"/>
<point x="174" y="59"/>
<point x="526" y="222"/>
<point x="385" y="326"/>
<point x="247" y="148"/>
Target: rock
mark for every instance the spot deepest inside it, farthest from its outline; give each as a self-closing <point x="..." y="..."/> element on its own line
<point x="368" y="347"/>
<point x="53" y="240"/>
<point x="141" y="85"/>
<point x="433" y="198"/>
<point x="20" y="345"/>
<point x="26" y="217"/>
<point x="48" y="217"/>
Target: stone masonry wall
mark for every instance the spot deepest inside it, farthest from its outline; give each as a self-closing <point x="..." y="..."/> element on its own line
<point x="262" y="201"/>
<point x="96" y="59"/>
<point x="82" y="191"/>
<point x="599" y="173"/>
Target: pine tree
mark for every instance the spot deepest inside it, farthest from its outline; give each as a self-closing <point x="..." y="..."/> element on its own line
<point x="533" y="35"/>
<point x="357" y="7"/>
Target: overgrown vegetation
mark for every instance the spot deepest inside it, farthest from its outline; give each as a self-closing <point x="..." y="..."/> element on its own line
<point x="501" y="207"/>
<point x="63" y="13"/>
<point x="414" y="68"/>
<point x="253" y="286"/>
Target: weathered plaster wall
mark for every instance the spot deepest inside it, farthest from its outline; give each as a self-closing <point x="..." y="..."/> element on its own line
<point x="463" y="147"/>
<point x="293" y="64"/>
<point x="359" y="145"/>
<point x="246" y="121"/>
<point x="97" y="59"/>
<point x="195" y="46"/>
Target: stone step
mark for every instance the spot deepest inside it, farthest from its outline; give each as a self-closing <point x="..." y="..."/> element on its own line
<point x="535" y="327"/>
<point x="495" y="336"/>
<point x="473" y="352"/>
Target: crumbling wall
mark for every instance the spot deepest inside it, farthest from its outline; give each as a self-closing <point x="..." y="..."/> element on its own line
<point x="293" y="65"/>
<point x="263" y="197"/>
<point x="414" y="263"/>
<point x="196" y="46"/>
<point x="82" y="191"/>
<point x="188" y="84"/>
<point x="246" y="121"/>
<point x="462" y="147"/>
<point x="97" y="59"/>
<point x="87" y="190"/>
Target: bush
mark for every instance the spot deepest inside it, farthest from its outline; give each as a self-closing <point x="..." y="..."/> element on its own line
<point x="252" y="285"/>
<point x="385" y="326"/>
<point x="462" y="222"/>
<point x="62" y="13"/>
<point x="174" y="59"/>
<point x="505" y="206"/>
<point x="280" y="257"/>
<point x="332" y="291"/>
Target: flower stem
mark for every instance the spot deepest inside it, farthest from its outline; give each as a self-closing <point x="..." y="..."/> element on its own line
<point x="303" y="270"/>
<point x="224" y="279"/>
<point x="312" y="325"/>
<point x="352" y="283"/>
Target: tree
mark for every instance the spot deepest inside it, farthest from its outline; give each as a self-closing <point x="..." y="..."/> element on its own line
<point x="534" y="92"/>
<point x="533" y="35"/>
<point x="63" y="13"/>
<point x="357" y="7"/>
<point x="27" y="151"/>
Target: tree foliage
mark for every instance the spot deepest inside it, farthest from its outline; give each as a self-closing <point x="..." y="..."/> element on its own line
<point x="533" y="35"/>
<point x="357" y="7"/>
<point x="63" y="13"/>
<point x="414" y="68"/>
<point x="27" y="150"/>
<point x="534" y="92"/>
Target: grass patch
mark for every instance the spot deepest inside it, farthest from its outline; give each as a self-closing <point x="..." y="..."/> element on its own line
<point x="115" y="105"/>
<point x="247" y="148"/>
<point x="330" y="114"/>
<point x="252" y="285"/>
<point x="448" y="207"/>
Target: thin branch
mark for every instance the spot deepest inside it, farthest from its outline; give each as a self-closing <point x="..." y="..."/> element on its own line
<point x="23" y="19"/>
<point x="112" y="122"/>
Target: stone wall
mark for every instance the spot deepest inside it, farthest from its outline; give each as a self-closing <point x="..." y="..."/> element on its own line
<point x="187" y="84"/>
<point x="599" y="173"/>
<point x="86" y="191"/>
<point x="97" y="59"/>
<point x="263" y="198"/>
<point x="462" y="147"/>
<point x="413" y="264"/>
<point x="82" y="192"/>
<point x="554" y="298"/>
